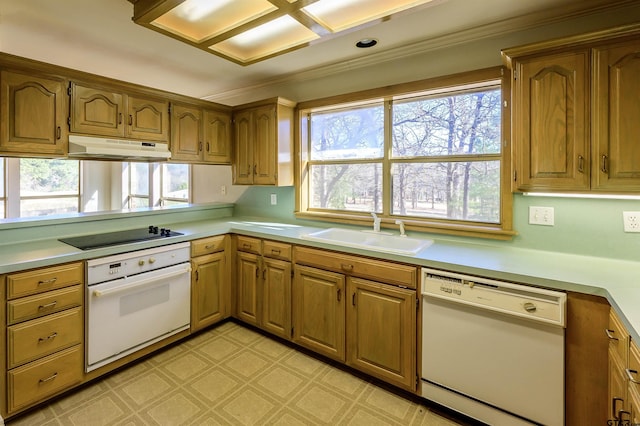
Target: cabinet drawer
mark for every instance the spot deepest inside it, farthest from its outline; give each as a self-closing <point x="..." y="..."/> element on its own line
<point x="618" y="337"/>
<point x="634" y="367"/>
<point x="248" y="244"/>
<point x="43" y="336"/>
<point x="38" y="380"/>
<point x="207" y="245"/>
<point x="44" y="279"/>
<point x="38" y="305"/>
<point x="276" y="250"/>
<point x="376" y="270"/>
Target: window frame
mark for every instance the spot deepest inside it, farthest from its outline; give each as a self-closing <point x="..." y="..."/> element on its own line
<point x="502" y="230"/>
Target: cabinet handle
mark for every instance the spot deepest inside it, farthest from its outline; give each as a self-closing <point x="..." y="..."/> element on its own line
<point x="200" y="146"/>
<point x="264" y="274"/>
<point x="604" y="167"/>
<point x="209" y="247"/>
<point x="120" y="118"/>
<point x="49" y="281"/>
<point x="255" y="168"/>
<point x="346" y="267"/>
<point x="58" y="132"/>
<point x="48" y="379"/>
<point x="246" y="246"/>
<point x="130" y="120"/>
<point x="353" y="299"/>
<point x="275" y="251"/>
<point x="207" y="146"/>
<point x="630" y="374"/>
<point x="47" y="306"/>
<point x="610" y="334"/>
<point x="580" y="164"/>
<point x="248" y="169"/>
<point x="49" y="337"/>
<point x="621" y="412"/>
<point x="197" y="275"/>
<point x="614" y="400"/>
<point x="339" y="294"/>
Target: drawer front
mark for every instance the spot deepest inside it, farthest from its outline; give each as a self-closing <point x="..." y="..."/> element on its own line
<point x="43" y="336"/>
<point x="207" y="245"/>
<point x="634" y="368"/>
<point x="248" y="244"/>
<point x="45" y="279"/>
<point x="619" y="337"/>
<point x="376" y="270"/>
<point x="39" y="305"/>
<point x="276" y="250"/>
<point x="38" y="380"/>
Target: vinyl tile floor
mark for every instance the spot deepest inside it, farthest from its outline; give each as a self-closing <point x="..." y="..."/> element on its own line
<point x="233" y="375"/>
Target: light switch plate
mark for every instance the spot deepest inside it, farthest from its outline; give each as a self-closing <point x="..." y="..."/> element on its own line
<point x="541" y="216"/>
<point x="274" y="199"/>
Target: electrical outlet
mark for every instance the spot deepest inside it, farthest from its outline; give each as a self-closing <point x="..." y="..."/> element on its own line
<point x="631" y="221"/>
<point x="274" y="199"/>
<point x="223" y="190"/>
<point x="541" y="216"/>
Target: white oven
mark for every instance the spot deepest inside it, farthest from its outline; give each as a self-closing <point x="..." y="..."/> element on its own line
<point x="136" y="299"/>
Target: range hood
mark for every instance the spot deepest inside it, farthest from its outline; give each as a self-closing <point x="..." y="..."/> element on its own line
<point x="117" y="149"/>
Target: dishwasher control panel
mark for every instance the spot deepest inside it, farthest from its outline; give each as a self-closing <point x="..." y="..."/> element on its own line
<point x="508" y="298"/>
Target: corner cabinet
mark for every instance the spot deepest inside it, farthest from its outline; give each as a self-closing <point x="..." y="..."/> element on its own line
<point x="575" y="113"/>
<point x="210" y="281"/>
<point x="357" y="310"/>
<point x="33" y="114"/>
<point x="102" y="112"/>
<point x="263" y="137"/>
<point x="200" y="135"/>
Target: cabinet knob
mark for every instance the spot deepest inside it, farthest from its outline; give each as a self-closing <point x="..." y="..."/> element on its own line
<point x="530" y="307"/>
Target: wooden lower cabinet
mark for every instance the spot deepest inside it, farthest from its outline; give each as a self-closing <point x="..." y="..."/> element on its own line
<point x="276" y="297"/>
<point x="210" y="281"/>
<point x="318" y="311"/>
<point x="381" y="331"/>
<point x="248" y="273"/>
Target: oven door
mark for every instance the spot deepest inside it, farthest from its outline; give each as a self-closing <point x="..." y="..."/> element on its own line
<point x="127" y="314"/>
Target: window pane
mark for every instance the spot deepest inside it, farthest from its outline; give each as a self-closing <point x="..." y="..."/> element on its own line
<point x="175" y="181"/>
<point x="357" y="133"/>
<point x="48" y="206"/>
<point x="462" y="124"/>
<point x="2" y="161"/>
<point x="2" y="210"/>
<point x="354" y="187"/>
<point x="135" y="202"/>
<point x="139" y="179"/>
<point x="48" y="177"/>
<point x="451" y="190"/>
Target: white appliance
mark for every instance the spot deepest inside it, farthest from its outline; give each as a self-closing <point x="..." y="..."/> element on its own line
<point x="136" y="299"/>
<point x="493" y="350"/>
<point x="106" y="148"/>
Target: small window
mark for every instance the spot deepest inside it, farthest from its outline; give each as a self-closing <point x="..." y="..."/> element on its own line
<point x="49" y="187"/>
<point x="175" y="184"/>
<point x="139" y="189"/>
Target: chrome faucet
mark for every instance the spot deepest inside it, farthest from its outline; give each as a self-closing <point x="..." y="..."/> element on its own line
<point x="376" y="222"/>
<point x="401" y="223"/>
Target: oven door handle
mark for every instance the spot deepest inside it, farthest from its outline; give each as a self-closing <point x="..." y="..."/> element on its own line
<point x="140" y="283"/>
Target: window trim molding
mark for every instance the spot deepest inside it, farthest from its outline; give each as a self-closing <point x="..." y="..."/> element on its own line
<point x="501" y="231"/>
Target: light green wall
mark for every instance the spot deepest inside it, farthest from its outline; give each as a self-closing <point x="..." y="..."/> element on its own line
<point x="591" y="227"/>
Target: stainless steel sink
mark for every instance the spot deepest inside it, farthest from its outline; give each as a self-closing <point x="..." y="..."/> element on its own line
<point x="368" y="240"/>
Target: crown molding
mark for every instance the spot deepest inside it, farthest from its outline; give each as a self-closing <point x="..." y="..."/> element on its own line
<point x="495" y="29"/>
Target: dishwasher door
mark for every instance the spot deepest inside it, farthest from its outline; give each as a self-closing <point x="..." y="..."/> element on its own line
<point x="499" y="345"/>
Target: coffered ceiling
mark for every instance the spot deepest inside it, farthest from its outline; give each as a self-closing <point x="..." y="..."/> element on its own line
<point x="100" y="36"/>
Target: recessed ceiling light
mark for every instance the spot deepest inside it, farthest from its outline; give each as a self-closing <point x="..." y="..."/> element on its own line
<point x="366" y="42"/>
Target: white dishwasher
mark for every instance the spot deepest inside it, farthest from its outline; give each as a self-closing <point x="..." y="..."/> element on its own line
<point x="493" y="350"/>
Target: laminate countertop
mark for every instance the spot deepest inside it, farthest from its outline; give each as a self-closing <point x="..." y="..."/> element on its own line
<point x="616" y="280"/>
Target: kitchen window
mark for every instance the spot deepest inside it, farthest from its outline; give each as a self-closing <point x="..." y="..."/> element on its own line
<point x="49" y="187"/>
<point x="432" y="157"/>
<point x="156" y="184"/>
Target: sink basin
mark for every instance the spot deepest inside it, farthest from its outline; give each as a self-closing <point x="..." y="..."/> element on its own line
<point x="369" y="241"/>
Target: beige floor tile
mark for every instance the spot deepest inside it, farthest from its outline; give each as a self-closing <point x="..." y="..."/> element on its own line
<point x="304" y="364"/>
<point x="248" y="407"/>
<point x="218" y="348"/>
<point x="390" y="404"/>
<point x="215" y="385"/>
<point x="246" y="364"/>
<point x="321" y="404"/>
<point x="99" y="412"/>
<point x="177" y="409"/>
<point x="280" y="382"/>
<point x="146" y="388"/>
<point x="344" y="382"/>
<point x="185" y="366"/>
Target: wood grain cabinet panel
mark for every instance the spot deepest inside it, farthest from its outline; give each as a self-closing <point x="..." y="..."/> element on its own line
<point x="38" y="305"/>
<point x="40" y="280"/>
<point x="186" y="133"/>
<point x="276" y="297"/>
<point x="247" y="288"/>
<point x="217" y="137"/>
<point x="32" y="115"/>
<point x="147" y="119"/>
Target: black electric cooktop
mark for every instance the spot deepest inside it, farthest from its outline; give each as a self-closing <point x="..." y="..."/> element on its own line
<point x="108" y="239"/>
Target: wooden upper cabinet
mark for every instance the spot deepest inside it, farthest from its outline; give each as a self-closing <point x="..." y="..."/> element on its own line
<point x="617" y="117"/>
<point x="217" y="137"/>
<point x="551" y="142"/>
<point x="107" y="113"/>
<point x="33" y="115"/>
<point x="186" y="133"/>
<point x="264" y="143"/>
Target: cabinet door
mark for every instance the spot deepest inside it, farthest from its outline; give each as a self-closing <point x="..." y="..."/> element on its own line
<point x="217" y="137"/>
<point x="209" y="289"/>
<point x="243" y="166"/>
<point x="617" y="117"/>
<point x="617" y="385"/>
<point x="276" y="297"/>
<point x="247" y="279"/>
<point x="96" y="112"/>
<point x="551" y="136"/>
<point x="265" y="146"/>
<point x="148" y="119"/>
<point x="381" y="333"/>
<point x="186" y="137"/>
<point x="33" y="111"/>
<point x="319" y="311"/>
